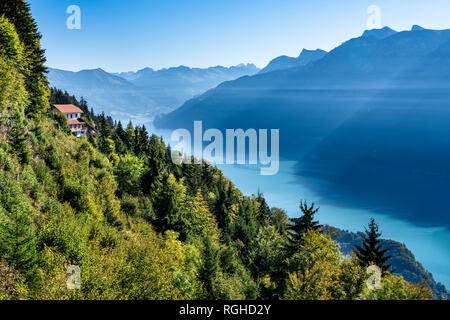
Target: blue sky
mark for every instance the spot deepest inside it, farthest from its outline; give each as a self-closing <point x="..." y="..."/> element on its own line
<point x="124" y="35"/>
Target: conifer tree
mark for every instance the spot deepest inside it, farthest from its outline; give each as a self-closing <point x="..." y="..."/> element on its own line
<point x="300" y="225"/>
<point x="210" y="265"/>
<point x="171" y="208"/>
<point x="157" y="170"/>
<point x="13" y="95"/>
<point x="18" y="13"/>
<point x="19" y="139"/>
<point x="201" y="219"/>
<point x="225" y="198"/>
<point x="280" y="220"/>
<point x="246" y="226"/>
<point x="129" y="141"/>
<point x="371" y="251"/>
<point x="120" y="137"/>
<point x="17" y="231"/>
<point x="264" y="214"/>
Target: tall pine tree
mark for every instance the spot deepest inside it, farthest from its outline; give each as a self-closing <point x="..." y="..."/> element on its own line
<point x="300" y="225"/>
<point x="19" y="139"/>
<point x="18" y="13"/>
<point x="17" y="230"/>
<point x="210" y="265"/>
<point x="371" y="251"/>
<point x="264" y="212"/>
<point x="13" y="95"/>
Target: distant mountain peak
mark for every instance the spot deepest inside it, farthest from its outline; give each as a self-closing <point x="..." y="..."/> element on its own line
<point x="379" y="33"/>
<point x="147" y="69"/>
<point x="417" y="28"/>
<point x="285" y="62"/>
<point x="308" y="51"/>
<point x="310" y="55"/>
<point x="250" y="66"/>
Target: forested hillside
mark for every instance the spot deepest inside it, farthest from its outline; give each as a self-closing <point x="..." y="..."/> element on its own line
<point x="137" y="225"/>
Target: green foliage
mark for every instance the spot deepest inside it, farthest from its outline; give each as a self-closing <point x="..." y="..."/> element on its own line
<point x="201" y="221"/>
<point x="315" y="267"/>
<point x="12" y="92"/>
<point x="13" y="95"/>
<point x="61" y="122"/>
<point x="68" y="235"/>
<point x="280" y="220"/>
<point x="351" y="280"/>
<point x="265" y="251"/>
<point x="396" y="288"/>
<point x="129" y="172"/>
<point x="19" y="138"/>
<point x="12" y="284"/>
<point x="210" y="265"/>
<point x="171" y="208"/>
<point x="18" y="13"/>
<point x="17" y="229"/>
<point x="11" y="48"/>
<point x="245" y="226"/>
<point x="30" y="184"/>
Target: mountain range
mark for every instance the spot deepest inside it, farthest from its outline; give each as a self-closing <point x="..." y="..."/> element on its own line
<point x="141" y="95"/>
<point x="367" y="123"/>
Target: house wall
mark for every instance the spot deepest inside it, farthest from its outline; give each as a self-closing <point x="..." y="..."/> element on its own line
<point x="79" y="129"/>
<point x="73" y="115"/>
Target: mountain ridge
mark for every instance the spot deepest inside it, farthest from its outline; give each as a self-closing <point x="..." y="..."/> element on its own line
<point x="285" y="62"/>
<point x="141" y="95"/>
<point x="379" y="33"/>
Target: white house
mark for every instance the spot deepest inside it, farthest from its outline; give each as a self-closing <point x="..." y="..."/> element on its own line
<point x="76" y="124"/>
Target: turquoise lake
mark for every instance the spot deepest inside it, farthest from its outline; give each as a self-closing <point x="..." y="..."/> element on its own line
<point x="431" y="246"/>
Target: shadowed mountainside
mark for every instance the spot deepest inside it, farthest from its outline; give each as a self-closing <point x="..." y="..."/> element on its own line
<point x="367" y="123"/>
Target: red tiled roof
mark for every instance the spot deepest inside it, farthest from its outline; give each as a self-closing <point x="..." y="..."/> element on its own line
<point x="75" y="121"/>
<point x="67" y="108"/>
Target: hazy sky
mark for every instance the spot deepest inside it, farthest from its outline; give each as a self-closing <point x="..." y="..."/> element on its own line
<point x="124" y="35"/>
